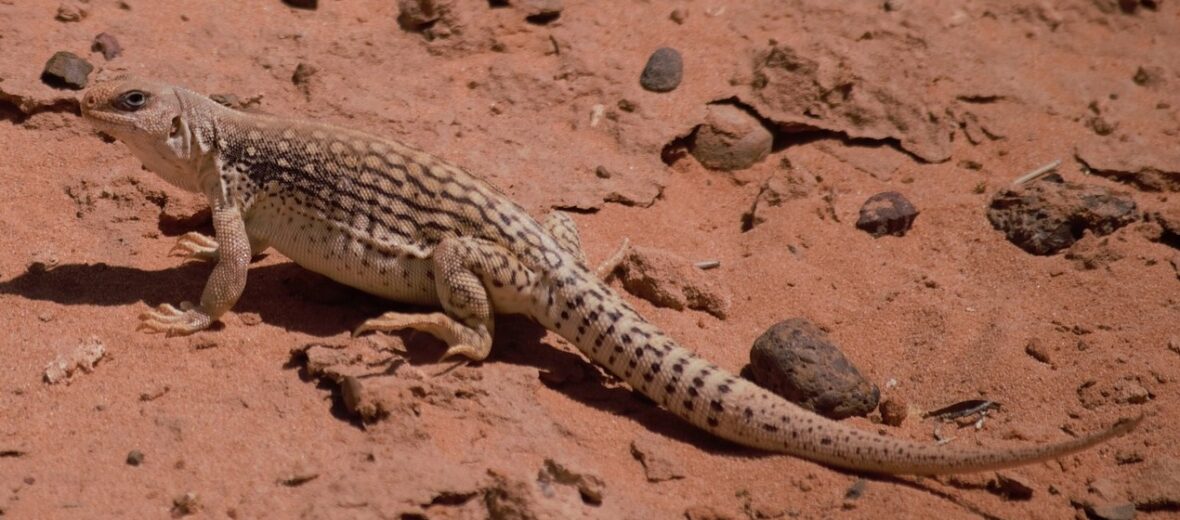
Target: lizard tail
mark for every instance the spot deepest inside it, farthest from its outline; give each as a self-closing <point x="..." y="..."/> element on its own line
<point x="609" y="331"/>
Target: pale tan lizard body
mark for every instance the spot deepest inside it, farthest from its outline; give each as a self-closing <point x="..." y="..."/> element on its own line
<point x="399" y="223"/>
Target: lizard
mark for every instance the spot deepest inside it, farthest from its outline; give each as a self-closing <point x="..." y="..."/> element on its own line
<point x="402" y="224"/>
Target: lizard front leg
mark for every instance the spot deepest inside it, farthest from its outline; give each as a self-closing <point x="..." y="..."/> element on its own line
<point x="222" y="290"/>
<point x="198" y="246"/>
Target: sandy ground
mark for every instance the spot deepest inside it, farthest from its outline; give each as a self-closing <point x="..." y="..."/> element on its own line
<point x="945" y="102"/>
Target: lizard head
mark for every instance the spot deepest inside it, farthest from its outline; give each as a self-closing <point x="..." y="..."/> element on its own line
<point x="154" y="120"/>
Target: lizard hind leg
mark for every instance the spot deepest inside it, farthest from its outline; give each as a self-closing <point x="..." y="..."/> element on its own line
<point x="564" y="230"/>
<point x="468" y="274"/>
<point x="461" y="340"/>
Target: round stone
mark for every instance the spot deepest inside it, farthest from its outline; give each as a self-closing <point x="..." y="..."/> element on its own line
<point x="663" y="71"/>
<point x="731" y="139"/>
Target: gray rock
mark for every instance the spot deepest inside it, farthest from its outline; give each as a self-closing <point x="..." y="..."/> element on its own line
<point x="664" y="70"/>
<point x="795" y="360"/>
<point x="887" y="213"/>
<point x="67" y="71"/>
<point x="731" y="139"/>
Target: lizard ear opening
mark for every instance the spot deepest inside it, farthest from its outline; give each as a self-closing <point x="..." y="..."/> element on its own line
<point x="175" y="130"/>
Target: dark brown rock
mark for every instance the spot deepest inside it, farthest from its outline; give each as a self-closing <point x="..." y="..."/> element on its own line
<point x="107" y="45"/>
<point x="135" y="458"/>
<point x="664" y="70"/>
<point x="65" y="70"/>
<point x="795" y="360"/>
<point x="302" y="4"/>
<point x="1044" y="217"/>
<point x="887" y="213"/>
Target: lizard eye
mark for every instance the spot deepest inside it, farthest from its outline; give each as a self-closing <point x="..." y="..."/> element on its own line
<point x="131" y="100"/>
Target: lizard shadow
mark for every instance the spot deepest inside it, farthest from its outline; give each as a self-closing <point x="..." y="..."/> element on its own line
<point x="520" y="341"/>
<point x="286" y="295"/>
<point x="282" y="294"/>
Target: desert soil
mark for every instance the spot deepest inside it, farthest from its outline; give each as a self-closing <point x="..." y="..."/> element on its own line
<point x="944" y="102"/>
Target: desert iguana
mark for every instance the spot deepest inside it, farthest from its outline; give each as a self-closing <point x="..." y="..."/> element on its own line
<point x="399" y="223"/>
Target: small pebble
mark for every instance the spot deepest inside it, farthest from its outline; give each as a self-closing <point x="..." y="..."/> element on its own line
<point x="894" y="411"/>
<point x="135" y="458"/>
<point x="417" y="15"/>
<point x="302" y="4"/>
<point x="65" y="70"/>
<point x="887" y="213"/>
<point x="302" y="76"/>
<point x="227" y="100"/>
<point x="856" y="490"/>
<point x="541" y="11"/>
<point x="663" y="71"/>
<point x="1149" y="76"/>
<point x="185" y="505"/>
<point x="69" y="13"/>
<point x="678" y="15"/>
<point x="107" y="45"/>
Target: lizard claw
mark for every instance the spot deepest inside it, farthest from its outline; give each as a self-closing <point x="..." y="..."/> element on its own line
<point x="195" y="246"/>
<point x="173" y="321"/>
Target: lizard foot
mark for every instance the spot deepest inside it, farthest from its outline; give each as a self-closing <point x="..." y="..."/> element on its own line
<point x="461" y="339"/>
<point x="174" y="322"/>
<point x="607" y="268"/>
<point x="195" y="246"/>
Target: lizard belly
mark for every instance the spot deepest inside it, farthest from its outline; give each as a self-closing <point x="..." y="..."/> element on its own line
<point x="341" y="255"/>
